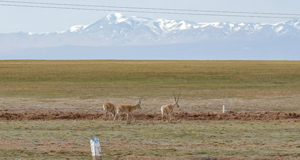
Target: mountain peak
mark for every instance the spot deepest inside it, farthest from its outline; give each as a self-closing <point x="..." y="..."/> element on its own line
<point x="116" y="17"/>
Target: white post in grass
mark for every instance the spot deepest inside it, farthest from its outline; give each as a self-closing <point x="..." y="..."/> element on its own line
<point x="96" y="149"/>
<point x="223" y="108"/>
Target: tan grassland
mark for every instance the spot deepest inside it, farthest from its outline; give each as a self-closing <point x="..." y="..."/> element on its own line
<point x="197" y="79"/>
<point x="150" y="140"/>
<point x="243" y="86"/>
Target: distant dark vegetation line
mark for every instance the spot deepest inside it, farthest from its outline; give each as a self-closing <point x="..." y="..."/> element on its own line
<point x="147" y="10"/>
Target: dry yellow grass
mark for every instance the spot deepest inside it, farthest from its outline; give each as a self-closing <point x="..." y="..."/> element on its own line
<point x="93" y="79"/>
<point x="152" y="140"/>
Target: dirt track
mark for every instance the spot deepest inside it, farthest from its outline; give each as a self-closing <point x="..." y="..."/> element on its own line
<point x="90" y="115"/>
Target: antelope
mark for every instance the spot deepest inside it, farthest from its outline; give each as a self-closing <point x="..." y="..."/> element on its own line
<point x="128" y="109"/>
<point x="109" y="109"/>
<point x="168" y="109"/>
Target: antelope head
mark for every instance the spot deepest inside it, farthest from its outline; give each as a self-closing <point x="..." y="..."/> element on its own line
<point x="139" y="103"/>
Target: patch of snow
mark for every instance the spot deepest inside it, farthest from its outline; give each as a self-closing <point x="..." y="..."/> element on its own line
<point x="76" y="28"/>
<point x="202" y="25"/>
<point x="116" y="18"/>
<point x="217" y="25"/>
<point x="171" y="24"/>
<point x="237" y="28"/>
<point x="257" y="27"/>
<point x="184" y="25"/>
<point x="161" y="23"/>
<point x="120" y="20"/>
<point x="231" y="25"/>
<point x="278" y="29"/>
<point x="241" y="24"/>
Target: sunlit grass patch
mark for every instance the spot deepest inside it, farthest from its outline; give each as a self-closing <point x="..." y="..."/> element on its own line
<point x="56" y="139"/>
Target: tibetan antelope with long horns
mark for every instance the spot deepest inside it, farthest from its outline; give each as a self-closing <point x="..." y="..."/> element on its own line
<point x="168" y="109"/>
<point x="109" y="109"/>
<point x="128" y="109"/>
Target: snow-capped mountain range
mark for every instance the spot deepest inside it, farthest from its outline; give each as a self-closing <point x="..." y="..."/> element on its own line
<point x="118" y="30"/>
<point x="118" y="25"/>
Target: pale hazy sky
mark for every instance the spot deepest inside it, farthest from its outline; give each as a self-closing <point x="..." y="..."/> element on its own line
<point x="15" y="19"/>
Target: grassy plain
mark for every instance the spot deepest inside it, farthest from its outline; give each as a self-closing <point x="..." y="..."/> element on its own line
<point x="92" y="79"/>
<point x="205" y="85"/>
<point x="152" y="140"/>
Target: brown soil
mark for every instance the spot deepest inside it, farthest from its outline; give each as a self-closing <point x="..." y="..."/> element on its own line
<point x="92" y="115"/>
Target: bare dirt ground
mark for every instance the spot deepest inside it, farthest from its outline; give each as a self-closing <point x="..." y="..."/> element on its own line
<point x="91" y="115"/>
<point x="43" y="111"/>
<point x="265" y="108"/>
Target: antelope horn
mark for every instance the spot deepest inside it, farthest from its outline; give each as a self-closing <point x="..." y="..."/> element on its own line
<point x="140" y="100"/>
<point x="175" y="97"/>
<point x="178" y="96"/>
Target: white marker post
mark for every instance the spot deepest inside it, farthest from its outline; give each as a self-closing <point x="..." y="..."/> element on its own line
<point x="96" y="149"/>
<point x="223" y="108"/>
